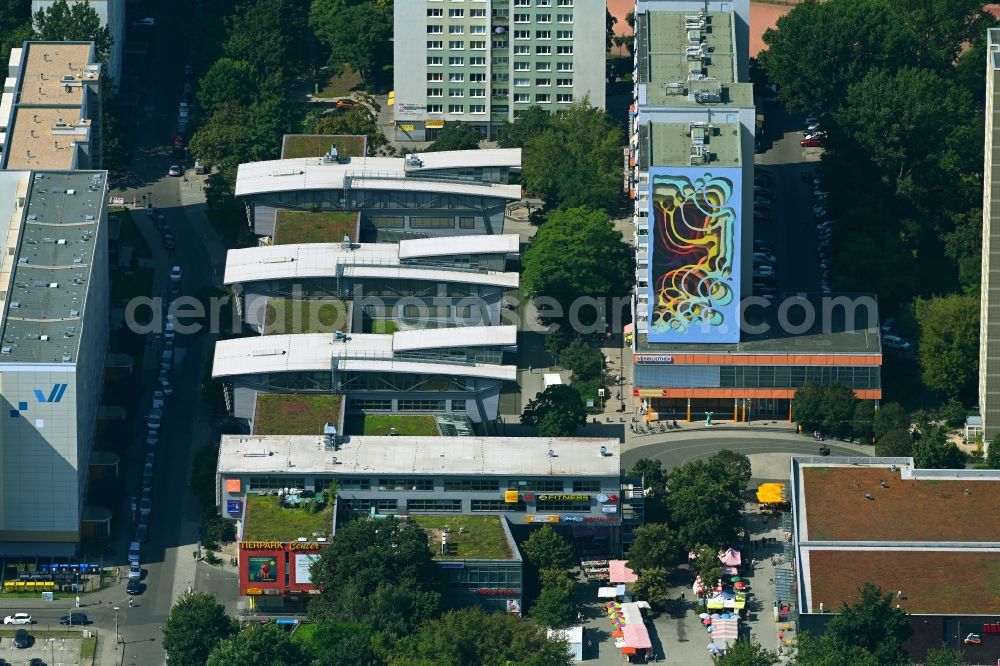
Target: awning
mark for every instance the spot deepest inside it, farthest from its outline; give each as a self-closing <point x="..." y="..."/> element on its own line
<point x="770" y="493"/>
<point x="725" y="631"/>
<point x="636" y="636"/>
<point x="730" y="557"/>
<point x="607" y="593"/>
<point x="620" y="573"/>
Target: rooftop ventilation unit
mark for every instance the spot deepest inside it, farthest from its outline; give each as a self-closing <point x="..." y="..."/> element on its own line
<point x="713" y="96"/>
<point x="4" y="350"/>
<point x="268" y="352"/>
<point x="346" y="243"/>
<point x="675" y="88"/>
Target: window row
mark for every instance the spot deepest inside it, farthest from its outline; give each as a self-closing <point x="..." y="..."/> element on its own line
<point x="543" y="34"/>
<point x="455" y="13"/>
<point x="454" y="61"/>
<point x="543" y="98"/>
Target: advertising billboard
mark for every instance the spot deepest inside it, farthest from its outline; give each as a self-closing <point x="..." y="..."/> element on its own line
<point x="262" y="569"/>
<point x="302" y="563"/>
<point x="695" y="214"/>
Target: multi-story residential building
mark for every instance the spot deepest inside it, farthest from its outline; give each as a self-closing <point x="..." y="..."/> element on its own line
<point x="699" y="346"/>
<point x="53" y="340"/>
<point x="50" y="111"/>
<point x="483" y="61"/>
<point x="112" y="15"/>
<point x="989" y="309"/>
<point x="920" y="535"/>
<point x="427" y="194"/>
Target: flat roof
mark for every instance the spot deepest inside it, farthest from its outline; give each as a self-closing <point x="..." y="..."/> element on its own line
<point x="367" y="173"/>
<point x="834" y="330"/>
<point x="673" y="144"/>
<point x="14" y="187"/>
<point x="664" y="40"/>
<point x="464" y="159"/>
<point x="306" y="352"/>
<point x="932" y="581"/>
<point x="267" y="520"/>
<point x="53" y="72"/>
<point x="311" y="260"/>
<point x="926" y="509"/>
<point x="511" y="457"/>
<point x="47" y="301"/>
<point x="317" y="145"/>
<point x="45" y="137"/>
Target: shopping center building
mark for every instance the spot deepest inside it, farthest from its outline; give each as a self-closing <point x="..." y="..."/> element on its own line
<point x="468" y="492"/>
<point x="450" y="193"/>
<point x="921" y="535"/>
<point x="702" y="343"/>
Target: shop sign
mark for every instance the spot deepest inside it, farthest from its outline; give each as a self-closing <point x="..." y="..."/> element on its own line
<point x="610" y="508"/>
<point x="498" y="591"/>
<point x="602" y="498"/>
<point x="510" y="496"/>
<point x="600" y="519"/>
<point x="434" y="124"/>
<point x="513" y="607"/>
<point x="653" y="358"/>
<point x="271" y="591"/>
<point x="254" y="591"/>
<point x="234" y="506"/>
<point x="301" y="545"/>
<point x="992" y="628"/>
<point x="406" y="111"/>
<point x="260" y="545"/>
<point x="541" y="519"/>
<point x="571" y="519"/>
<point x="405" y="127"/>
<point x="563" y="498"/>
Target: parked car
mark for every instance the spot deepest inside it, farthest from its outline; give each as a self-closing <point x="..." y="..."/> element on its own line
<point x="142" y="533"/>
<point x="762" y="246"/>
<point x="168" y="242"/>
<point x="145" y="506"/>
<point x="22" y="639"/>
<point x="168" y="332"/>
<point x="158" y="397"/>
<point x="134" y="570"/>
<point x="175" y="274"/>
<point x="152" y="438"/>
<point x="201" y="168"/>
<point x="74" y="618"/>
<point x="153" y="419"/>
<point x="896" y="342"/>
<point x="346" y="104"/>
<point x="763" y="271"/>
<point x="18" y="618"/>
<point x="174" y="170"/>
<point x="814" y="141"/>
<point x="134" y="586"/>
<point x="764" y="257"/>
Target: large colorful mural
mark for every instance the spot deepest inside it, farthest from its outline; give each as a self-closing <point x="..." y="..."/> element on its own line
<point x="694" y="265"/>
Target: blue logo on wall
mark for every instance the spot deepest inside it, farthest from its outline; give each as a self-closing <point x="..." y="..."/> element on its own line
<point x="55" y="395"/>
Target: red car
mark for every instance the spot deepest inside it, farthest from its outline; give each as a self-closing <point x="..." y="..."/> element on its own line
<point x="179" y="141"/>
<point x="812" y="142"/>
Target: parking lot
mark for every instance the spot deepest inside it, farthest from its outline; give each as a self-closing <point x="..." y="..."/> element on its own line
<point x="52" y="648"/>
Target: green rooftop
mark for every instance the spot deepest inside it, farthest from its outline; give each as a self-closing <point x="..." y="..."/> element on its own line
<point x="314" y="227"/>
<point x="295" y="413"/>
<point x="317" y="145"/>
<point x="386" y="424"/>
<point x="266" y="520"/>
<point x="672" y="144"/>
<point x="471" y="537"/>
<point x="286" y="316"/>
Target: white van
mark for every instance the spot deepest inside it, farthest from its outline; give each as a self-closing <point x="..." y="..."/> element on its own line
<point x="133" y="552"/>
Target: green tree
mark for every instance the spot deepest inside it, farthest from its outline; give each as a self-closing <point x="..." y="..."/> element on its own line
<point x="557" y="411"/>
<point x="530" y="123"/>
<point x="576" y="160"/>
<point x="227" y="80"/>
<point x="236" y="133"/>
<point x="653" y="586"/>
<point x="826" y="651"/>
<point x="473" y="636"/>
<point x="268" y="34"/>
<point x="455" y="136"/>
<point x="196" y="625"/>
<point x="891" y="416"/>
<point x="734" y="465"/>
<point x="15" y="25"/>
<point x="944" y="656"/>
<point x="874" y="624"/>
<point x="577" y="253"/>
<point x="357" y="33"/>
<point x="78" y="22"/>
<point x="863" y="421"/>
<point x="610" y="21"/>
<point x="392" y="609"/>
<point x="555" y="342"/>
<point x="748" y="652"/>
<point x="949" y="342"/>
<point x="655" y="547"/>
<point x="554" y="607"/>
<point x="584" y="361"/>
<point x="257" y="645"/>
<point x="825" y="407"/>
<point x="342" y="644"/>
<point x="547" y="549"/>
<point x="707" y="565"/>
<point x="704" y="503"/>
<point x="953" y="413"/>
<point x="650" y="473"/>
<point x="992" y="457"/>
<point x="361" y="120"/>
<point x="894" y="443"/>
<point x="932" y="450"/>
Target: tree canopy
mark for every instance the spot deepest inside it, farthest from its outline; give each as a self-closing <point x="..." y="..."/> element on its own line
<point x="655" y="546"/>
<point x="547" y="549"/>
<point x="554" y="607"/>
<point x="577" y="253"/>
<point x="748" y="652"/>
<point x="557" y="411"/>
<point x="196" y="625"/>
<point x="357" y="33"/>
<point x="268" y="34"/>
<point x="530" y="123"/>
<point x="828" y="408"/>
<point x="932" y="450"/>
<point x="455" y="136"/>
<point x="872" y="623"/>
<point x="257" y="645"/>
<point x="78" y="22"/>
<point x="949" y="343"/>
<point x="891" y="416"/>
<point x="227" y="80"/>
<point x="576" y="160"/>
<point x="705" y="499"/>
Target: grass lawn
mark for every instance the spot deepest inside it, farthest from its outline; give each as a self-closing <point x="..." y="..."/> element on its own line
<point x="289" y="316"/>
<point x="295" y="414"/>
<point x="267" y="521"/>
<point x="379" y="424"/>
<point x="303" y="635"/>
<point x="384" y="326"/>
<point x="88" y="648"/>
<point x="56" y="633"/>
<point x="483" y="538"/>
<point x="341" y="84"/>
<point x="314" y="227"/>
<point x="317" y="145"/>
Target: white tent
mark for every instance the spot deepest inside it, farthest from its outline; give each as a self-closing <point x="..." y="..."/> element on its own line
<point x="574" y="637"/>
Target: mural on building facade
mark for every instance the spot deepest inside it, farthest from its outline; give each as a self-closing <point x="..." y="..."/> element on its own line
<point x="694" y="260"/>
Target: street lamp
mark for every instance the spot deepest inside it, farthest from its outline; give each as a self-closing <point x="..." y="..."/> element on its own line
<point x="116" y="628"/>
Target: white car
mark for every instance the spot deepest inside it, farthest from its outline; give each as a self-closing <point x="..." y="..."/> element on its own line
<point x="158" y="399"/>
<point x="18" y="618"/>
<point x="134" y="571"/>
<point x="168" y="331"/>
<point x="175" y="274"/>
<point x="763" y="271"/>
<point x="895" y="342"/>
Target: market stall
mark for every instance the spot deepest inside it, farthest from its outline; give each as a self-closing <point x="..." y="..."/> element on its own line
<point x="620" y="573"/>
<point x="725" y="631"/>
<point x="629" y="630"/>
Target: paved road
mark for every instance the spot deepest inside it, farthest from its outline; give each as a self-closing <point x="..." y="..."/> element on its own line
<point x="769" y="452"/>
